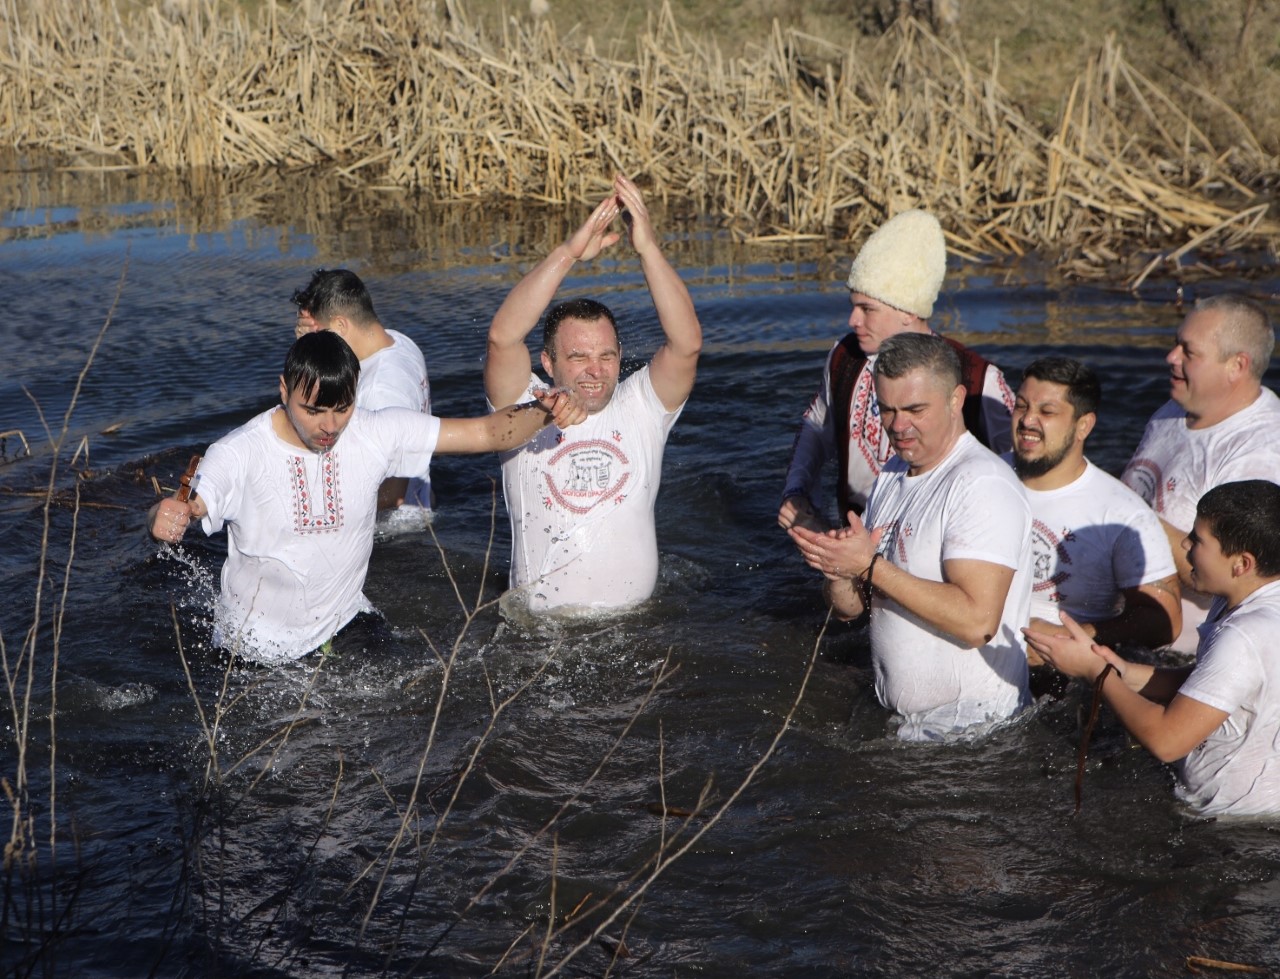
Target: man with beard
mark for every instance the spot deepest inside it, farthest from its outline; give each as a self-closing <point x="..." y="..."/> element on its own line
<point x="1099" y="552"/>
<point x="1220" y="425"/>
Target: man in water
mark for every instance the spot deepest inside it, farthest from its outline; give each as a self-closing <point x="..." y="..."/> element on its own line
<point x="581" y="503"/>
<point x="893" y="285"/>
<point x="297" y="489"/>
<point x="1099" y="552"/>
<point x="1221" y="715"/>
<point x="944" y="555"/>
<point x="393" y="374"/>
<point x="1220" y="425"/>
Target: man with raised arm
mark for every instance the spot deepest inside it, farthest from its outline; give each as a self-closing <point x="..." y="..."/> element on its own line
<point x="297" y="488"/>
<point x="1220" y="718"/>
<point x="393" y="374"/>
<point x="1099" y="552"/>
<point x="581" y="503"/>
<point x="944" y="555"/>
<point x="893" y="285"/>
<point x="1220" y="425"/>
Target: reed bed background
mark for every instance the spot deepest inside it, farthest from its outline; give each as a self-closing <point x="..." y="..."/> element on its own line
<point x="795" y="138"/>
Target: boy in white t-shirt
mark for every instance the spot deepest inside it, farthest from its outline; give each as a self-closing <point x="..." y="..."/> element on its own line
<point x="297" y="489"/>
<point x="1221" y="717"/>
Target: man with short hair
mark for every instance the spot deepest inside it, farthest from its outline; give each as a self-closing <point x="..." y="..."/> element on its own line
<point x="581" y="503"/>
<point x="393" y="374"/>
<point x="944" y="555"/>
<point x="893" y="285"/>
<point x="1221" y="715"/>
<point x="297" y="489"/>
<point x="1220" y="425"/>
<point x="1099" y="551"/>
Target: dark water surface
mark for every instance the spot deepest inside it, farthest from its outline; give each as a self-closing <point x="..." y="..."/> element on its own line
<point x="382" y="813"/>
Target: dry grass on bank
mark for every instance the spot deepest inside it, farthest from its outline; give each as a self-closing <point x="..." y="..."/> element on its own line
<point x="779" y="142"/>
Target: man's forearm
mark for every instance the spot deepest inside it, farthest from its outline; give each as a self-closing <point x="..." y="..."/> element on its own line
<point x="520" y="311"/>
<point x="671" y="299"/>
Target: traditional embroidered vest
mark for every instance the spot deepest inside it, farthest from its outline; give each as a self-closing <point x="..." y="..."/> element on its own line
<point x="847" y="361"/>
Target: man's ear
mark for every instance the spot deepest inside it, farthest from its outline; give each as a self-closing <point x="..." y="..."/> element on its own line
<point x="547" y="363"/>
<point x="1237" y="366"/>
<point x="1242" y="564"/>
<point x="1084" y="425"/>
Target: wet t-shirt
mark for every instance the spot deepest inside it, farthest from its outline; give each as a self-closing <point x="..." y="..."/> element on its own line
<point x="581" y="503"/>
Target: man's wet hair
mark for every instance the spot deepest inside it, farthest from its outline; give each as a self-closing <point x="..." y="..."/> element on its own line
<point x="905" y="352"/>
<point x="574" y="309"/>
<point x="1245" y="516"/>
<point x="323" y="368"/>
<point x="1084" y="390"/>
<point x="1246" y="329"/>
<point x="336" y="292"/>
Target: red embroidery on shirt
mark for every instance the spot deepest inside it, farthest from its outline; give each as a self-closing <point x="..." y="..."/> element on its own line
<point x="312" y="516"/>
<point x="865" y="430"/>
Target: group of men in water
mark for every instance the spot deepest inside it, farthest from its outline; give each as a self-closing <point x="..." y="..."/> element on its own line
<point x="972" y="531"/>
<point x="975" y="568"/>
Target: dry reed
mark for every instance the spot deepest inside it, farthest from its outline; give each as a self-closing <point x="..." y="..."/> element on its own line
<point x="797" y="138"/>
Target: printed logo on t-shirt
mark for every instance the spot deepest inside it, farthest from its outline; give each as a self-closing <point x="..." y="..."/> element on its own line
<point x="583" y="474"/>
<point x="1145" y="478"/>
<point x="1049" y="551"/>
<point x="318" y="509"/>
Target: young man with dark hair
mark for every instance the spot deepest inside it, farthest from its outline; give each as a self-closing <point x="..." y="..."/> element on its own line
<point x="1220" y="716"/>
<point x="1099" y="551"/>
<point x="297" y="488"/>
<point x="393" y="374"/>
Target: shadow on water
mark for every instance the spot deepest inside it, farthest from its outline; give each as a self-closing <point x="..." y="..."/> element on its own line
<point x="315" y="845"/>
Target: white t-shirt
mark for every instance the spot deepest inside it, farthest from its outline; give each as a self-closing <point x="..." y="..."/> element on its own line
<point x="1091" y="540"/>
<point x="1174" y="466"/>
<point x="1236" y="770"/>
<point x="970" y="506"/>
<point x="300" y="525"/>
<point x="581" y="503"/>
<point x="396" y="377"/>
<point x="869" y="447"/>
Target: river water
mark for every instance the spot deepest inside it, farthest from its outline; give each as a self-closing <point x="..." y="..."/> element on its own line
<point x="475" y="791"/>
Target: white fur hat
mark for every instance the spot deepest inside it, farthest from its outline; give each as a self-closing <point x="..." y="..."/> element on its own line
<point x="903" y="263"/>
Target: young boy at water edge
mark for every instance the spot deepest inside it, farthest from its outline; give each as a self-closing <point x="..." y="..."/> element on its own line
<point x="1221" y="716"/>
<point x="581" y="503"/>
<point x="393" y="374"/>
<point x="297" y="488"/>
<point x="944" y="555"/>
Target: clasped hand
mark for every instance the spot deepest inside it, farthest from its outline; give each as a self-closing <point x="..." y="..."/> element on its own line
<point x="844" y="552"/>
